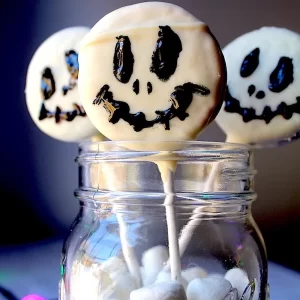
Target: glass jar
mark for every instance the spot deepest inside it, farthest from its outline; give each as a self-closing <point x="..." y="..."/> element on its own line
<point x="171" y="212"/>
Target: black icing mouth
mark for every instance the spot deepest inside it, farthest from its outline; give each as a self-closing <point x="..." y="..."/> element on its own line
<point x="59" y="115"/>
<point x="48" y="88"/>
<point x="181" y="98"/>
<point x="232" y="105"/>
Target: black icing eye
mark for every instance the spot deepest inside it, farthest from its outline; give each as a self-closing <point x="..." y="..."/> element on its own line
<point x="166" y="53"/>
<point x="149" y="87"/>
<point x="123" y="59"/>
<point x="136" y="86"/>
<point x="250" y="63"/>
<point x="47" y="84"/>
<point x="282" y="76"/>
<point x="71" y="59"/>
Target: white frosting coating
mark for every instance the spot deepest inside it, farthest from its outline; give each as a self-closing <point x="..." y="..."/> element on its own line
<point x="273" y="44"/>
<point x="51" y="54"/>
<point x="200" y="62"/>
<point x="171" y="290"/>
<point x="216" y="288"/>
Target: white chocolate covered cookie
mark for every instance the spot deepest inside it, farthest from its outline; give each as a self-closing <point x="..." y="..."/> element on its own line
<point x="262" y="102"/>
<point x="51" y="87"/>
<point x="151" y="71"/>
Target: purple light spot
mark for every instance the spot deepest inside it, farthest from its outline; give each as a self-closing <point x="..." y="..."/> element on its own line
<point x="33" y="297"/>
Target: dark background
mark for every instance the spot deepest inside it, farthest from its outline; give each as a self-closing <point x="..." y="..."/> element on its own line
<point x="38" y="173"/>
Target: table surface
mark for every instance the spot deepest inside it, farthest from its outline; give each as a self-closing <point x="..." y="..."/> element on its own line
<point x="34" y="269"/>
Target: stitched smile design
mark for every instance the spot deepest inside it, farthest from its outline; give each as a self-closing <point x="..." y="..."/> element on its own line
<point x="180" y="100"/>
<point x="48" y="89"/>
<point x="280" y="79"/>
<point x="232" y="105"/>
<point x="164" y="62"/>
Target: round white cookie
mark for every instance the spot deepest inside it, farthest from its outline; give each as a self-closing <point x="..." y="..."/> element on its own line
<point x="262" y="102"/>
<point x="151" y="71"/>
<point x="52" y="95"/>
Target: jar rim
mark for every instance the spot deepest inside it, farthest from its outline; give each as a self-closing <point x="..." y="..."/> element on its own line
<point x="149" y="144"/>
<point x="161" y="150"/>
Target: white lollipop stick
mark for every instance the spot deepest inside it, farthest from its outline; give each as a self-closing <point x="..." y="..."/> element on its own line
<point x="241" y="119"/>
<point x="189" y="229"/>
<point x="128" y="251"/>
<point x="167" y="177"/>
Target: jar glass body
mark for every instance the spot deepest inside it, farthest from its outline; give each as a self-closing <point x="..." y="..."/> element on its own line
<point x="182" y="213"/>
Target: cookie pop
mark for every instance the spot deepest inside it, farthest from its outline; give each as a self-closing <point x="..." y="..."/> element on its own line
<point x="156" y="77"/>
<point x="51" y="88"/>
<point x="152" y="72"/>
<point x="262" y="103"/>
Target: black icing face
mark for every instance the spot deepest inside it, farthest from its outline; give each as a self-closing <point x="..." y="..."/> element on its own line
<point x="163" y="64"/>
<point x="281" y="77"/>
<point x="48" y="89"/>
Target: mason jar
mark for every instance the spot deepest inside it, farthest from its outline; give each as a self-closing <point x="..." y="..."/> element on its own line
<point x="153" y="214"/>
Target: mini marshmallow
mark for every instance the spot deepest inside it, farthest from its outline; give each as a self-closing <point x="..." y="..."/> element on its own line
<point x="122" y="283"/>
<point x="153" y="261"/>
<point x="233" y="295"/>
<point x="193" y="273"/>
<point x="170" y="290"/>
<point x="164" y="276"/>
<point x="239" y="280"/>
<point x="114" y="266"/>
<point x="216" y="275"/>
<point x="85" y="284"/>
<point x="52" y="95"/>
<point x="210" y="288"/>
<point x="115" y="292"/>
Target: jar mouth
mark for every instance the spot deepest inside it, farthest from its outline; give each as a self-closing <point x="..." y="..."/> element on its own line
<point x="162" y="150"/>
<point x="211" y="205"/>
<point x="183" y="199"/>
<point x="165" y="166"/>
